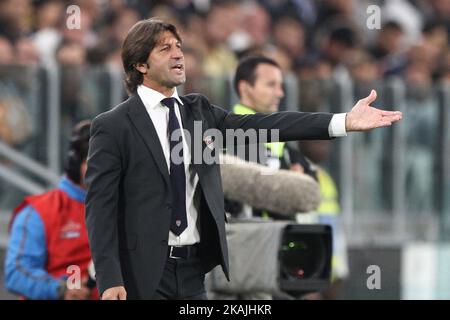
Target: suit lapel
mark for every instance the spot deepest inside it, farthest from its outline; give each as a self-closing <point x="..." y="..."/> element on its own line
<point x="188" y="118"/>
<point x="144" y="125"/>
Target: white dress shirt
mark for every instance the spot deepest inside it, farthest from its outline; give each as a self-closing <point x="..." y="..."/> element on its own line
<point x="159" y="114"/>
<point x="160" y="118"/>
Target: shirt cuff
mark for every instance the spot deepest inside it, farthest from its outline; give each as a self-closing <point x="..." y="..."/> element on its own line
<point x="336" y="128"/>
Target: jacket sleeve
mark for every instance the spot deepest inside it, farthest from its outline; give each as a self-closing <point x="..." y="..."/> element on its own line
<point x="26" y="256"/>
<point x="292" y="125"/>
<point x="103" y="178"/>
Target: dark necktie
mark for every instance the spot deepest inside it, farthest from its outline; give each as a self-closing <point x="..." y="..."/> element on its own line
<point x="177" y="175"/>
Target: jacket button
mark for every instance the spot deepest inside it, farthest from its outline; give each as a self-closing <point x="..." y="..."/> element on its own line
<point x="169" y="206"/>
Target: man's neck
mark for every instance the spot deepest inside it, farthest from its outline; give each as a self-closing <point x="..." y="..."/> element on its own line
<point x="168" y="92"/>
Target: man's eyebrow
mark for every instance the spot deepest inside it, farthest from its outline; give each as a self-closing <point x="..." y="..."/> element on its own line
<point x="168" y="43"/>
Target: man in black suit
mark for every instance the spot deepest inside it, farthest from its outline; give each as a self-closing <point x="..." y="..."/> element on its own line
<point x="155" y="218"/>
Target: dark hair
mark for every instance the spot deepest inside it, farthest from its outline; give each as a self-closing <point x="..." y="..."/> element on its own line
<point x="137" y="46"/>
<point x="431" y="26"/>
<point x="393" y="25"/>
<point x="78" y="150"/>
<point x="247" y="67"/>
<point x="344" y="35"/>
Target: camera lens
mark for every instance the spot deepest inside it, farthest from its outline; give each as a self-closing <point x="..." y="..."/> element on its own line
<point x="302" y="256"/>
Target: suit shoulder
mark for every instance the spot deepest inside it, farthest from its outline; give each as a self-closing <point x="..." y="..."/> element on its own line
<point x="200" y="102"/>
<point x="196" y="99"/>
<point x="112" y="116"/>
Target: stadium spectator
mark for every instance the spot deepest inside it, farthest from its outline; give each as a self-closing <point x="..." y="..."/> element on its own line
<point x="48" y="234"/>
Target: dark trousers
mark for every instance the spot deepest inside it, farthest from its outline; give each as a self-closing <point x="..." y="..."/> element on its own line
<point x="182" y="279"/>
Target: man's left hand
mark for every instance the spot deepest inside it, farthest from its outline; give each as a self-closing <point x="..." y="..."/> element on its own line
<point x="364" y="117"/>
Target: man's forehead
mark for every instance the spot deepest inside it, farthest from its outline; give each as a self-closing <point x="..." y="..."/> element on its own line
<point x="166" y="37"/>
<point x="267" y="70"/>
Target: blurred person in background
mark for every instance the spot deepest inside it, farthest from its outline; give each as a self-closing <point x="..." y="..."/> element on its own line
<point x="438" y="11"/>
<point x="364" y="71"/>
<point x="289" y="35"/>
<point x="407" y="15"/>
<point x="303" y="10"/>
<point x="219" y="60"/>
<point x="258" y="83"/>
<point x="16" y="122"/>
<point x="194" y="71"/>
<point x="340" y="42"/>
<point x="314" y="84"/>
<point x="48" y="234"/>
<point x="256" y="23"/>
<point x="431" y="48"/>
<point x="363" y="68"/>
<point x="15" y="18"/>
<point x="27" y="53"/>
<point x="120" y="23"/>
<point x="72" y="59"/>
<point x="421" y="136"/>
<point x="49" y="16"/>
<point x="390" y="48"/>
<point x="71" y="54"/>
<point x="16" y="131"/>
<point x="6" y="51"/>
<point x="444" y="69"/>
<point x="332" y="10"/>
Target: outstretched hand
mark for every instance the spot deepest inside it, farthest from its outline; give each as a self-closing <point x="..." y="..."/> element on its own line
<point x="364" y="117"/>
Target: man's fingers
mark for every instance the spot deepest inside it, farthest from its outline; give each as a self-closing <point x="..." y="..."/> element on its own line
<point x="111" y="296"/>
<point x="384" y="123"/>
<point x="392" y="117"/>
<point x="115" y="293"/>
<point x="371" y="97"/>
<point x="389" y="113"/>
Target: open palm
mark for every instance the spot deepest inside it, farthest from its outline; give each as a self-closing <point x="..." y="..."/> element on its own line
<point x="364" y="117"/>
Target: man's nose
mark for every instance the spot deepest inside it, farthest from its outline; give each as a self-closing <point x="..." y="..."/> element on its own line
<point x="177" y="53"/>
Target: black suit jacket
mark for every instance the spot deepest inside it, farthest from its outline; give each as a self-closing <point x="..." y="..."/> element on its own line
<point x="128" y="204"/>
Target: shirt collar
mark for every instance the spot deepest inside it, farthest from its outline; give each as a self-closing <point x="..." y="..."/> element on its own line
<point x="239" y="108"/>
<point x="152" y="98"/>
<point x="73" y="191"/>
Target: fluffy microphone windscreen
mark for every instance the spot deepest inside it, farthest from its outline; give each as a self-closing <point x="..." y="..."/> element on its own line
<point x="282" y="191"/>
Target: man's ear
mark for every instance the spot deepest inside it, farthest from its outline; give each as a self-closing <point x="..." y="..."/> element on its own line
<point x="142" y="67"/>
<point x="243" y="87"/>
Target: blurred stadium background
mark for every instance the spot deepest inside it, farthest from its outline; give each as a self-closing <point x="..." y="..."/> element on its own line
<point x="394" y="183"/>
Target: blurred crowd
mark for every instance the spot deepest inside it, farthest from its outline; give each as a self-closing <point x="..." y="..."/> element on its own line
<point x="313" y="39"/>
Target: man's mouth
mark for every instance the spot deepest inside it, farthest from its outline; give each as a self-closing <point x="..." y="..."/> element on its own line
<point x="178" y="66"/>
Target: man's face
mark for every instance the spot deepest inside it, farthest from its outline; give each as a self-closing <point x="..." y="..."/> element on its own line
<point x="267" y="91"/>
<point x="166" y="64"/>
